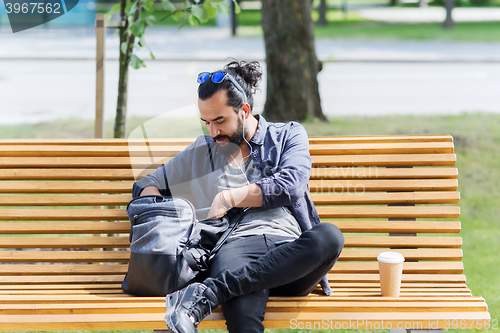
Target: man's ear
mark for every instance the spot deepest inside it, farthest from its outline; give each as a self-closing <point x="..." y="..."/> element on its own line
<point x="246" y="109"/>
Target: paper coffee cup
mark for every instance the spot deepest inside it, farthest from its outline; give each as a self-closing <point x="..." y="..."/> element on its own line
<point x="390" y="265"/>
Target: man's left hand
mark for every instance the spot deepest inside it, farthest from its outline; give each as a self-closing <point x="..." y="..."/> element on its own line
<point x="218" y="209"/>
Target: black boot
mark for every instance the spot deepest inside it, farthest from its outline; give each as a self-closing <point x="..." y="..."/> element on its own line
<point x="185" y="308"/>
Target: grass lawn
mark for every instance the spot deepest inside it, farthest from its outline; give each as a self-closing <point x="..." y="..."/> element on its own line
<point x="352" y="26"/>
<point x="477" y="145"/>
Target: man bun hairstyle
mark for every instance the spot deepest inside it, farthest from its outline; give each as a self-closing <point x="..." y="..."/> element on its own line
<point x="247" y="74"/>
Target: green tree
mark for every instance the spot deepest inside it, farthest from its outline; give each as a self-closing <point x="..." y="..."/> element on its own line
<point x="136" y="16"/>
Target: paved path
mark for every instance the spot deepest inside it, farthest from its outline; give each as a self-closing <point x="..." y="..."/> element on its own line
<point x="49" y="74"/>
<point x="44" y="90"/>
<point x="216" y="44"/>
<point x="429" y="14"/>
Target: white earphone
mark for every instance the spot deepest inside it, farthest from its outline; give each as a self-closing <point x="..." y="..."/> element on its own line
<point x="251" y="150"/>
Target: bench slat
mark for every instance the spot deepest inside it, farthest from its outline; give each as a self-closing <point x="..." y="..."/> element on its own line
<point x="124" y="227"/>
<point x="62" y="269"/>
<point x="64" y="256"/>
<point x="408" y="267"/>
<point x="123" y="256"/>
<point x="154" y="141"/>
<point x="398" y="226"/>
<point x="112" y="242"/>
<point x="401" y="160"/>
<point x="58" y="279"/>
<point x="333" y="278"/>
<point x="64" y="227"/>
<point x="66" y="187"/>
<point x="423" y="197"/>
<point x="383" y="198"/>
<point x="118" y="292"/>
<point x="427" y="278"/>
<point x="5" y="288"/>
<point x="170" y="150"/>
<point x="339" y="185"/>
<point x="389" y="212"/>
<point x="287" y="306"/>
<point x="66" y="174"/>
<point x="316" y="173"/>
<point x="403" y="242"/>
<point x="400" y="185"/>
<point x="382" y="173"/>
<point x="112" y="269"/>
<point x="123" y="298"/>
<point x="409" y="254"/>
<point x="64" y="242"/>
<point x="381" y="148"/>
<point x="215" y="321"/>
<point x="65" y="200"/>
<point x="324" y="212"/>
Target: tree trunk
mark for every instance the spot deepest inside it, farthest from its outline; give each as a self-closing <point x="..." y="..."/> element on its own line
<point x="448" y="22"/>
<point x="120" y="129"/>
<point x="323" y="8"/>
<point x="121" y="104"/>
<point x="292" y="64"/>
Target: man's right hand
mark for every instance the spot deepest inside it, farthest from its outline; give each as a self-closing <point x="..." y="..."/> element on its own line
<point x="150" y="190"/>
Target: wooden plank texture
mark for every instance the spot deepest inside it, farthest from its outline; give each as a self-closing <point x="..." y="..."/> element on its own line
<point x="55" y="195"/>
<point x="124" y="227"/>
<point x="123" y="256"/>
<point x="111" y="242"/>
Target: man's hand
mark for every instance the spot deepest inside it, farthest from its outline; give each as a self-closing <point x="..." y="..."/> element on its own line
<point x="150" y="190"/>
<point x="220" y="205"/>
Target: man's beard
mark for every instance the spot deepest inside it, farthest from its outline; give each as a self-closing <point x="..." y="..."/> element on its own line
<point x="234" y="140"/>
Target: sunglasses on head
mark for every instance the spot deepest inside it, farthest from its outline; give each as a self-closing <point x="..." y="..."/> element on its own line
<point x="218" y="77"/>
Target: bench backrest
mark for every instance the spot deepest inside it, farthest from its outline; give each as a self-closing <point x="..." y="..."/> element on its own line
<point x="63" y="220"/>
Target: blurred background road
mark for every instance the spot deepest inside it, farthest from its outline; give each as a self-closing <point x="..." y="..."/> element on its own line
<point x="48" y="72"/>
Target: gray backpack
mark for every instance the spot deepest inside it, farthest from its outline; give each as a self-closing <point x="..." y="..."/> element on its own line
<point x="169" y="246"/>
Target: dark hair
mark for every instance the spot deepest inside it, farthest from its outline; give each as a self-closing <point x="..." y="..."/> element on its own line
<point x="247" y="74"/>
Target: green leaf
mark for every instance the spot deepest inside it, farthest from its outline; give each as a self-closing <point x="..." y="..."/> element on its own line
<point x="128" y="6"/>
<point x="223" y="8"/>
<point x="177" y="15"/>
<point x="150" y="20"/>
<point x="148" y="7"/>
<point x="193" y="21"/>
<point x="211" y="10"/>
<point x="123" y="47"/>
<point x="142" y="43"/>
<point x="200" y="13"/>
<point x="187" y="4"/>
<point x="132" y="9"/>
<point x="237" y="8"/>
<point x="182" y="21"/>
<point x="138" y="28"/>
<point x="167" y="5"/>
<point x="136" y="62"/>
<point x="114" y="9"/>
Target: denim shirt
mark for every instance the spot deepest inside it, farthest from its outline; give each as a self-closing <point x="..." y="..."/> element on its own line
<point x="279" y="150"/>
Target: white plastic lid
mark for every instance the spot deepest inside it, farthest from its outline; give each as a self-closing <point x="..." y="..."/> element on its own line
<point x="391" y="257"/>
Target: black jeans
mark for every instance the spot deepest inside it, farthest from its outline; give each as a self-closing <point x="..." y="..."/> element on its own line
<point x="247" y="270"/>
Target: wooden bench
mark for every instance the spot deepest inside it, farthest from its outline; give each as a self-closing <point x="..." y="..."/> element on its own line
<point x="64" y="236"/>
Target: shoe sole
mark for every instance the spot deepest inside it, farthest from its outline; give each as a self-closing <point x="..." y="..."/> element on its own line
<point x="170" y="302"/>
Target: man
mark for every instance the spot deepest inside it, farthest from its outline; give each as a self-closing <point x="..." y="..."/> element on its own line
<point x="280" y="247"/>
